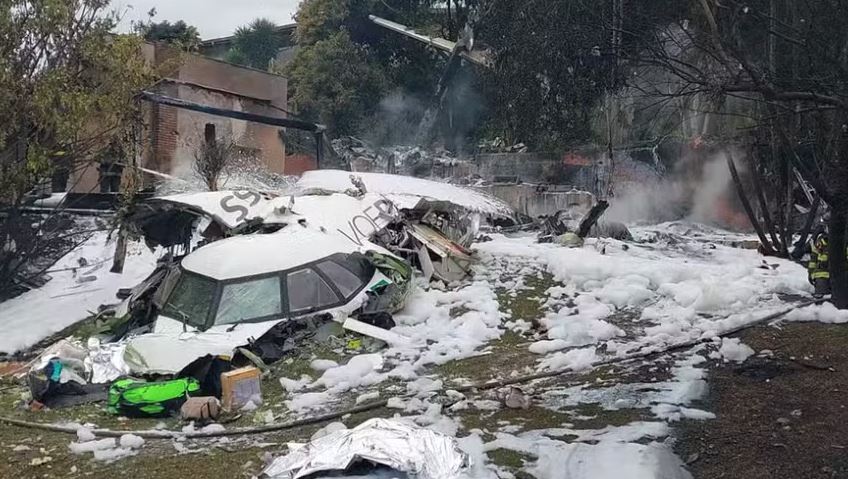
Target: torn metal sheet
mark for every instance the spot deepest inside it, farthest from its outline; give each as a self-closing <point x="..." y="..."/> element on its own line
<point x="452" y="262"/>
<point x="172" y="220"/>
<point x="425" y="262"/>
<point x="424" y="453"/>
<point x="439" y="243"/>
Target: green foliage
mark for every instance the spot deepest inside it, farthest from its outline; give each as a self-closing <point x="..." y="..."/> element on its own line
<point x="256" y="45"/>
<point x="236" y="57"/>
<point x="555" y="61"/>
<point x="337" y="82"/>
<point x="319" y="19"/>
<point x="67" y="89"/>
<point x="178" y="34"/>
<point x="551" y="72"/>
<point x="51" y="92"/>
<point x="386" y="61"/>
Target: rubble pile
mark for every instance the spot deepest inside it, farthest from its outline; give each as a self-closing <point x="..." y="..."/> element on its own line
<point x="404" y="160"/>
<point x="499" y="145"/>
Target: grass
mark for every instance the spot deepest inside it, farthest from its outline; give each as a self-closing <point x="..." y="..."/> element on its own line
<point x="534" y="417"/>
<point x="509" y="353"/>
<point x="509" y="459"/>
<point x="593" y="416"/>
<point x="527" y="303"/>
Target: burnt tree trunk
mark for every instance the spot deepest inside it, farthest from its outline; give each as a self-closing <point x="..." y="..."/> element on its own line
<point x="836" y="253"/>
<point x="740" y="190"/>
<point x="120" y="251"/>
<point x="764" y="207"/>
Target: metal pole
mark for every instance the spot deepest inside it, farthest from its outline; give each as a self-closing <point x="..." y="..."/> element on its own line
<point x="319" y="149"/>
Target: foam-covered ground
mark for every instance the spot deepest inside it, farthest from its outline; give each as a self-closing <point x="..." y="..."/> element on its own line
<point x="530" y="307"/>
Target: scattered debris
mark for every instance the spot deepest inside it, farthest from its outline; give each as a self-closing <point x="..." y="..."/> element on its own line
<point x="406" y="160"/>
<point x="201" y="408"/>
<point x="514" y="398"/>
<point x="240" y="387"/>
<point x="421" y="452"/>
<point x="569" y="227"/>
<point x="40" y="461"/>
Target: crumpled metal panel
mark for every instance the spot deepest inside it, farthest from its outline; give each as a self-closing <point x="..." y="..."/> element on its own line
<point x="423" y="453"/>
<point x="105" y="362"/>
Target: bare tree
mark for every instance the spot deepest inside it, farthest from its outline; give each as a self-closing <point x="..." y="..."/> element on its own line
<point x="213" y="158"/>
<point x="782" y="65"/>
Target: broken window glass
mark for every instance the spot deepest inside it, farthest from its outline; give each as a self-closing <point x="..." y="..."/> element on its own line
<point x="249" y="300"/>
<point x="191" y="300"/>
<point x="307" y="291"/>
<point x="346" y="282"/>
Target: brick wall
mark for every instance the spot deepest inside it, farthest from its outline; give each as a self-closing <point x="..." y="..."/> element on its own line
<point x="299" y="163"/>
<point x="165" y="136"/>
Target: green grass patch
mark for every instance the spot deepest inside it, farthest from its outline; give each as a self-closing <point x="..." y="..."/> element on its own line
<point x="509" y="459"/>
<point x="594" y="416"/>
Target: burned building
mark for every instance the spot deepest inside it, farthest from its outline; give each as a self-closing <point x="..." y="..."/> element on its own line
<point x="171" y="135"/>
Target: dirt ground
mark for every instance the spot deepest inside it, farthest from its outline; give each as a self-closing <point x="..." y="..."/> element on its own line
<point x="783" y="416"/>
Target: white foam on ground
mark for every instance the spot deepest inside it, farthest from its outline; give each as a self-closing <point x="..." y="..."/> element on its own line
<point x="64" y="300"/>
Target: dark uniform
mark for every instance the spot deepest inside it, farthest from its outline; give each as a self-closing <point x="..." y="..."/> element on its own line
<point x="818" y="269"/>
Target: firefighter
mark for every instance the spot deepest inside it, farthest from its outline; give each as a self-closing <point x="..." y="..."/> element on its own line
<point x="818" y="269"/>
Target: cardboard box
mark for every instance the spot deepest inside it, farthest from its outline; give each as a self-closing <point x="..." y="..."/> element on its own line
<point x="240" y="386"/>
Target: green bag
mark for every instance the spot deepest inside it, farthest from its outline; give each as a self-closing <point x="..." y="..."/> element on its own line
<point x="133" y="398"/>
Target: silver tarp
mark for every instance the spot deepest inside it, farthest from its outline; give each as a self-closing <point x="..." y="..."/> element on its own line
<point x="416" y="451"/>
<point x="106" y="361"/>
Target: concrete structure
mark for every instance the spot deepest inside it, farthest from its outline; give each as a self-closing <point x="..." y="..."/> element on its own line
<point x="171" y="136"/>
<point x="219" y="47"/>
<point x="538" y="200"/>
<point x="536" y="168"/>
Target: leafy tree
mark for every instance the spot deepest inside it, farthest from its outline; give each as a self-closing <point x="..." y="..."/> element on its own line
<point x="256" y="45"/>
<point x="67" y="88"/>
<point x="336" y="82"/>
<point x="395" y="64"/>
<point x="319" y="19"/>
<point x="178" y="34"/>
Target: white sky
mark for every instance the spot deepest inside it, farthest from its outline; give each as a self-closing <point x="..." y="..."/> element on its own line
<point x="213" y="18"/>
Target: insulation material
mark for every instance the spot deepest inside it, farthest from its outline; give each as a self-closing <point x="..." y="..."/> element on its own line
<point x="106" y="361"/>
<point x="423" y="453"/>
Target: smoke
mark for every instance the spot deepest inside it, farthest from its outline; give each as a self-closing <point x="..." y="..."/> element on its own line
<point x="400" y="116"/>
<point x="396" y="120"/>
<point x="699" y="189"/>
<point x="711" y="191"/>
<point x="653" y="202"/>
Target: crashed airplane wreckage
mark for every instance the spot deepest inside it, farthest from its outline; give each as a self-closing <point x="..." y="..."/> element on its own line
<point x="249" y="274"/>
<point x="430" y="224"/>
